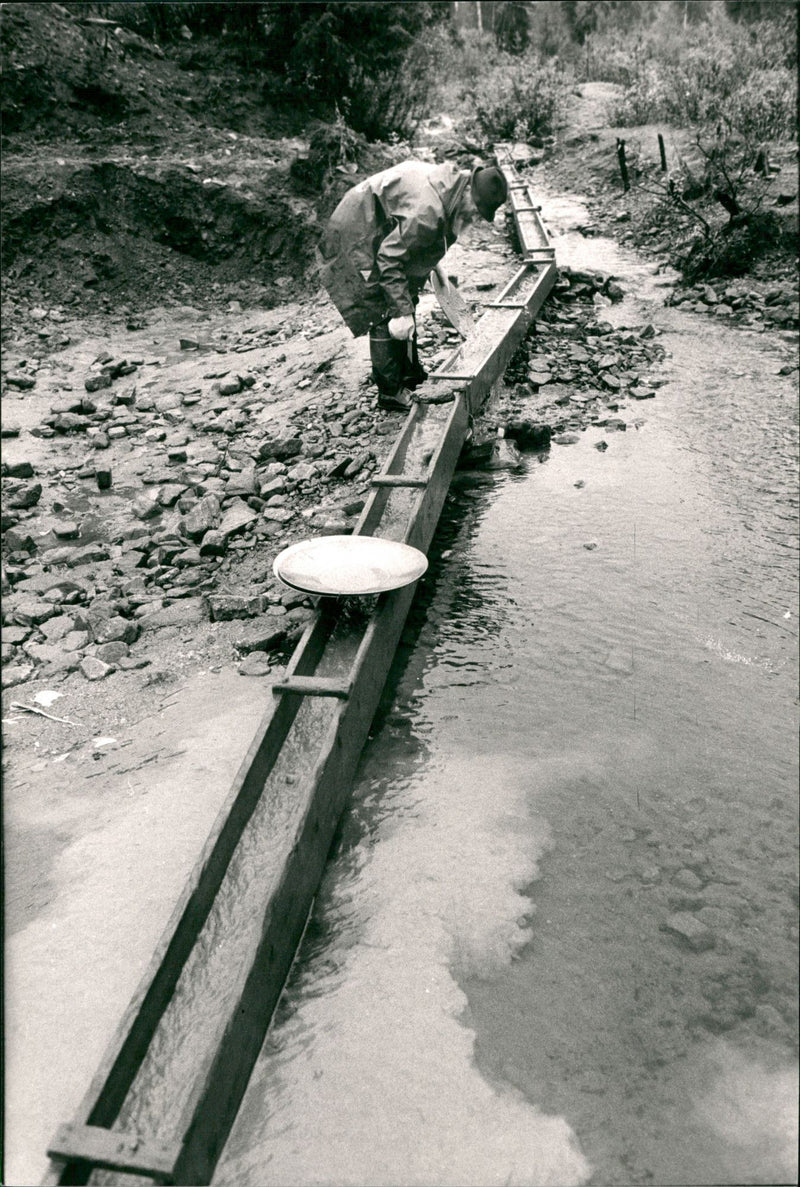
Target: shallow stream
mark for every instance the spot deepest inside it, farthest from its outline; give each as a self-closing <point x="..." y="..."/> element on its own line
<point x="557" y="941"/>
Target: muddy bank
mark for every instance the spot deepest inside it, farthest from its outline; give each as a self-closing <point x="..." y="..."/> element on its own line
<point x="112" y="231"/>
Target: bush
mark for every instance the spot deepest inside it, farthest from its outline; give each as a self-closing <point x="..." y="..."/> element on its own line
<point x="718" y="72"/>
<point x="516" y="98"/>
<point x="732" y="249"/>
<point x="331" y="147"/>
<point x="372" y="60"/>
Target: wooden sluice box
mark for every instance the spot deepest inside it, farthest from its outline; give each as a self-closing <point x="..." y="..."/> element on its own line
<point x="160" y="1106"/>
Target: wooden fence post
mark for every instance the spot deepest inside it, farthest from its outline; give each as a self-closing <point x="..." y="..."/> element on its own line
<point x="663" y="153"/>
<point x="623" y="165"/>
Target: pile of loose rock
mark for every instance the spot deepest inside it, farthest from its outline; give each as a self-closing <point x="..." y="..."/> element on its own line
<point x="166" y="509"/>
<point x="743" y="303"/>
<point x="574" y="369"/>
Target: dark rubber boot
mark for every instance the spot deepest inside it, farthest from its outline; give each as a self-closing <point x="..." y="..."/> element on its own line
<point x="414" y="373"/>
<point x="400" y="402"/>
<point x="389" y="358"/>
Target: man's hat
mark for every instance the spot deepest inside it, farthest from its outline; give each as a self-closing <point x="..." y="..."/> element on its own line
<point x="489" y="190"/>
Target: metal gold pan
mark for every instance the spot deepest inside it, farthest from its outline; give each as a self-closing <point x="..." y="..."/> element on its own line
<point x="342" y="565"/>
<point x="452" y="304"/>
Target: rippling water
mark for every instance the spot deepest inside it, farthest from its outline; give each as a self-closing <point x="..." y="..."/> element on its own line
<point x="557" y="941"/>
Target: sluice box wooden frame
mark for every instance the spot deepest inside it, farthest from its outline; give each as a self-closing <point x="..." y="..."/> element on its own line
<point x="447" y="402"/>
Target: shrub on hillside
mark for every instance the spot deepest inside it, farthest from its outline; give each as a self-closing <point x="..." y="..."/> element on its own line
<point x="372" y="60"/>
<point x="730" y="250"/>
<point x="516" y="98"/>
<point x="717" y="72"/>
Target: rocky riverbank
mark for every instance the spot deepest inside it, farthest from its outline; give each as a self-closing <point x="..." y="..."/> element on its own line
<point x="152" y="491"/>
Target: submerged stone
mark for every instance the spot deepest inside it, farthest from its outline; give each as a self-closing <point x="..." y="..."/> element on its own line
<point x="690" y="931"/>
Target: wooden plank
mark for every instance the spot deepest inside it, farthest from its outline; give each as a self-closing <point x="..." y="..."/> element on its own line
<point x="378" y="497"/>
<point x="442" y="465"/>
<point x="516" y="280"/>
<point x="110" y="1084"/>
<point x="500" y="356"/>
<point x="103" y="1148"/>
<point x="399" y="480"/>
<point x="313" y="686"/>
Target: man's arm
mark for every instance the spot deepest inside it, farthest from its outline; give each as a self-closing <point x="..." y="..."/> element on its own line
<point x="396" y="254"/>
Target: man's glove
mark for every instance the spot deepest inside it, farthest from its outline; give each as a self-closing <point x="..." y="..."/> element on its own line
<point x="401" y="327"/>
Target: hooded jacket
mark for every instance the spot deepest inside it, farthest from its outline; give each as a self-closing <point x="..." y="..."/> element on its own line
<point x="385" y="237"/>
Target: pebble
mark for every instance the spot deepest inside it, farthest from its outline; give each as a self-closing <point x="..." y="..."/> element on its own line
<point x="303" y="472"/>
<point x="278" y="514"/>
<point x="14" y="674"/>
<point x="21" y="496"/>
<point x="185" y="612"/>
<point x="687" y="880"/>
<point x="169" y="494"/>
<point x="213" y="543"/>
<point x="202" y="517"/>
<point x="18" y="470"/>
<point x="68" y="530"/>
<point x="690" y="930"/>
<point x="114" y="629"/>
<point x="145" y="507"/>
<point x="75" y="640"/>
<point x="236" y="516"/>
<point x="94" y="668"/>
<point x="90" y="552"/>
<point x="57" y="628"/>
<point x="32" y="611"/>
<point x="225" y="607"/>
<point x="112" y="653"/>
<point x="256" y="663"/>
<point x="14" y="634"/>
<point x="94" y="383"/>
